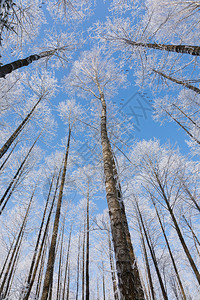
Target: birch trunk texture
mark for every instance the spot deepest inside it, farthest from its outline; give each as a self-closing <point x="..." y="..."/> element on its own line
<point x="129" y="286"/>
<point x="112" y="267"/>
<point x="20" y="63"/>
<point x="35" y="261"/>
<point x="51" y="258"/>
<point x="187" y="49"/>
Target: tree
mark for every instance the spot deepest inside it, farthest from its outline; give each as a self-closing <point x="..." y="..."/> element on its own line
<point x="159" y="169"/>
<point x="51" y="257"/>
<point x="99" y="77"/>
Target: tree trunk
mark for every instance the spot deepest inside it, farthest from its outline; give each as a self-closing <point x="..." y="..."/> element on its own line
<point x="112" y="267"/>
<point x="83" y="265"/>
<point x="36" y="263"/>
<point x="51" y="259"/>
<point x="187" y="252"/>
<point x="67" y="263"/>
<point x="128" y="284"/>
<point x="170" y="253"/>
<point x="191" y="197"/>
<point x="38" y="239"/>
<point x="140" y="219"/>
<point x="15" y="134"/>
<point x="103" y="282"/>
<point x="16" y="175"/>
<point x="192" y="231"/>
<point x="7" y="257"/>
<point x="87" y="288"/>
<point x="15" y="251"/>
<point x="184" y="84"/>
<point x="41" y="270"/>
<point x="68" y="283"/>
<point x="17" y="64"/>
<point x="187" y="49"/>
<point x="78" y="265"/>
<point x="147" y="264"/>
<point x="60" y="264"/>
<point x="187" y="131"/>
<point x="3" y="164"/>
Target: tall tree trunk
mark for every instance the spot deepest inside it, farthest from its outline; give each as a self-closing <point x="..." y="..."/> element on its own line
<point x="51" y="259"/>
<point x="16" y="177"/>
<point x="183" y="83"/>
<point x="140" y="219"/>
<point x="130" y="287"/>
<point x="67" y="264"/>
<point x="187" y="49"/>
<point x="170" y="253"/>
<point x="183" y="243"/>
<point x="35" y="262"/>
<point x="68" y="282"/>
<point x="87" y="287"/>
<point x="78" y="265"/>
<point x="17" y="246"/>
<point x="15" y="134"/>
<point x="98" y="297"/>
<point x="192" y="231"/>
<point x="186" y="116"/>
<point x="38" y="240"/>
<point x="6" y="159"/>
<point x="191" y="196"/>
<point x="83" y="265"/>
<point x="7" y="257"/>
<point x="103" y="282"/>
<point x="17" y="64"/>
<point x="147" y="264"/>
<point x="112" y="267"/>
<point x="41" y="269"/>
<point x="183" y="127"/>
<point x="60" y="264"/>
<point x="13" y="269"/>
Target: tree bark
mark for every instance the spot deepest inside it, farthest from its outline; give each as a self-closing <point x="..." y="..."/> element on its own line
<point x="87" y="286"/>
<point x="103" y="282"/>
<point x="67" y="264"/>
<point x="51" y="258"/>
<point x="11" y="139"/>
<point x="83" y="265"/>
<point x="128" y="284"/>
<point x="78" y="265"/>
<point x="112" y="267"/>
<point x="187" y="49"/>
<point x="140" y="219"/>
<point x="170" y="253"/>
<point x="186" y="250"/>
<point x="38" y="239"/>
<point x="147" y="264"/>
<point x="17" y="246"/>
<point x="184" y="84"/>
<point x="187" y="131"/>
<point x="17" y="64"/>
<point x="15" y="176"/>
<point x="36" y="263"/>
<point x="60" y="264"/>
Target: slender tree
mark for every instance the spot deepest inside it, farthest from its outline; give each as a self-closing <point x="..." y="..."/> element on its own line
<point x="94" y="75"/>
<point x="51" y="258"/>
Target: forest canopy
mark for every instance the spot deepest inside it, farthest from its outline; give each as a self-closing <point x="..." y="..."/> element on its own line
<point x="99" y="150"/>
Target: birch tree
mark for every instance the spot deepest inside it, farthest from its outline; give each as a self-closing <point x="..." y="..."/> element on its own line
<point x="168" y="167"/>
<point x="99" y="77"/>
